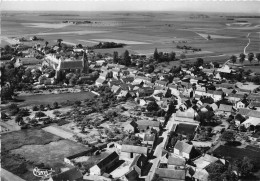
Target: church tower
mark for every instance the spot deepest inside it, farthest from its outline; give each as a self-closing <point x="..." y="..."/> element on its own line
<point x="85" y="63"/>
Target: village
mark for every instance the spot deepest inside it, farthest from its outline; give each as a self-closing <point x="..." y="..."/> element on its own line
<point x="143" y="120"/>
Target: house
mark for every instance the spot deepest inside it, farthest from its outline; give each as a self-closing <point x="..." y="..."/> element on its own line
<point x="145" y="91"/>
<point x="254" y="105"/>
<point x="113" y="81"/>
<point x="103" y="165"/>
<point x="132" y="151"/>
<point x="115" y="89"/>
<point x="149" y="139"/>
<point x="100" y="82"/>
<point x="127" y="80"/>
<point x="203" y="161"/>
<point x="224" y="69"/>
<point x="216" y="95"/>
<point x="200" y="174"/>
<point x="183" y="149"/>
<point x="187" y="116"/>
<point x="161" y="83"/>
<point x="147" y="124"/>
<point x="252" y="121"/>
<point x="223" y="108"/>
<point x="254" y="114"/>
<point x="176" y="163"/>
<point x="70" y="175"/>
<point x="131" y="127"/>
<point x="255" y="137"/>
<point x="132" y="175"/>
<point x="174" y="89"/>
<point x="123" y="93"/>
<point x="115" y="72"/>
<point x="170" y="174"/>
<point x="244" y="111"/>
<point x="139" y="163"/>
<point x="242" y="104"/>
<point x="235" y="97"/>
<point x="239" y="119"/>
<point x="200" y="90"/>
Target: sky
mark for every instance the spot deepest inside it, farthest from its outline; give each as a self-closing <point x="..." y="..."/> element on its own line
<point x="133" y="5"/>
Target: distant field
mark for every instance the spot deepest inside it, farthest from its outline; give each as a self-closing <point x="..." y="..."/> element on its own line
<point x="142" y="31"/>
<point x="50" y="98"/>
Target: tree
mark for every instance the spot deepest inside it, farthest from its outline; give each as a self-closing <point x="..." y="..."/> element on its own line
<point x="182" y="56"/>
<point x="40" y="114"/>
<point x="73" y="80"/>
<point x="199" y="62"/>
<point x="242" y="57"/>
<point x="257" y="56"/>
<point x="250" y="57"/>
<point x="35" y="108"/>
<point x="156" y="55"/>
<point x="7" y="92"/>
<point x="13" y="109"/>
<point x="243" y="166"/>
<point x="228" y="136"/>
<point x="152" y="106"/>
<point x="42" y="107"/>
<point x="215" y="171"/>
<point x="126" y="58"/>
<point x="233" y="59"/>
<point x="55" y="105"/>
<point x="3" y="115"/>
<point x="59" y="42"/>
<point x="172" y="56"/>
<point x="46" y="43"/>
<point x="209" y="37"/>
<point x="18" y="119"/>
<point x="115" y="57"/>
<point x="24" y="112"/>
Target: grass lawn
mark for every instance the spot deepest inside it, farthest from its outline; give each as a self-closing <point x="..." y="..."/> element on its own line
<point x="50" y="98"/>
<point x="16" y="139"/>
<point x="23" y="150"/>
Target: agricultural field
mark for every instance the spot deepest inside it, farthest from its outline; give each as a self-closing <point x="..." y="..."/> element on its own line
<point x="141" y="31"/>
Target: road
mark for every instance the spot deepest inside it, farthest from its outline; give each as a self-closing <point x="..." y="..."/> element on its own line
<point x="247" y="43"/>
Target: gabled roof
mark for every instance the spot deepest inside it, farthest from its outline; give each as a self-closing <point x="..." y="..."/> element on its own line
<point x="102" y="163"/>
<point x="244" y="111"/>
<point x="183" y="147"/>
<point x="148" y="123"/>
<point x="254" y="104"/>
<point x="185" y="114"/>
<point x="236" y="95"/>
<point x="201" y="174"/>
<point x="160" y="82"/>
<point x="254" y="113"/>
<point x="132" y="174"/>
<point x="72" y="174"/>
<point x="171" y="173"/>
<point x="134" y="149"/>
<point x="100" y="80"/>
<point x="138" y="160"/>
<point x="224" y="107"/>
<point x="176" y="161"/>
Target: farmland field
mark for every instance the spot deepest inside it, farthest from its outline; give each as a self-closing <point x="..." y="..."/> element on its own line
<point x="141" y="31"/>
<point x="50" y="98"/>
